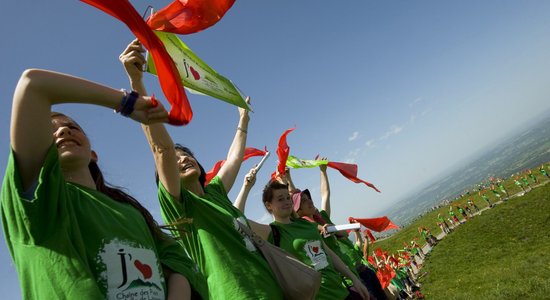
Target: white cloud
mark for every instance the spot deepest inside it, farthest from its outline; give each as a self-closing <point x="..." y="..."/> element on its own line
<point x="354" y="136"/>
<point x="370" y="144"/>
<point x="352" y="155"/>
<point x="394" y="129"/>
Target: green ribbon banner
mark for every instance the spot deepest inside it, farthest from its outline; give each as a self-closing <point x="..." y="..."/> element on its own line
<point x="296" y="163"/>
<point x="196" y="75"/>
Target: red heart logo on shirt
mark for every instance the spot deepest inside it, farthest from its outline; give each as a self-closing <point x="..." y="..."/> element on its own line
<point x="145" y="269"/>
<point x="196" y="74"/>
<point x="315" y="249"/>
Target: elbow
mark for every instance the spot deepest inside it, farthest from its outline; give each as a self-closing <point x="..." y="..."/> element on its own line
<point x="30" y="79"/>
<point x="31" y="75"/>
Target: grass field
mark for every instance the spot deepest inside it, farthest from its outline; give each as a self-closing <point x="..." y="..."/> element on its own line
<point x="502" y="254"/>
<point x="429" y="220"/>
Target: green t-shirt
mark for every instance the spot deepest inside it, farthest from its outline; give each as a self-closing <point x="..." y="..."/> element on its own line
<point x="302" y="239"/>
<point x="71" y="242"/>
<point x="234" y="268"/>
<point x="351" y="250"/>
<point x="332" y="243"/>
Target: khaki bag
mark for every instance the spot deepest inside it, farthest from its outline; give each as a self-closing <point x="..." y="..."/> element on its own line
<point x="297" y="280"/>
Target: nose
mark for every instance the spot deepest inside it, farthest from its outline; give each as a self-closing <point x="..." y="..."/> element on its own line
<point x="182" y="159"/>
<point x="63" y="130"/>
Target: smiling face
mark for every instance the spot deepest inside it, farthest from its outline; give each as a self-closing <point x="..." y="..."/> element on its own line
<point x="307" y="208"/>
<point x="280" y="204"/>
<point x="72" y="143"/>
<point x="188" y="166"/>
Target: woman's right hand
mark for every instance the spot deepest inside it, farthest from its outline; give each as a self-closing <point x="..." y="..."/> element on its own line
<point x="133" y="59"/>
<point x="250" y="178"/>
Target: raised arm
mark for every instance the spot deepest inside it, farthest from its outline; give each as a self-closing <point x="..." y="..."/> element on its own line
<point x="36" y="91"/>
<point x="162" y="146"/>
<point x="230" y="169"/>
<point x="249" y="181"/>
<point x="325" y="189"/>
<point x="261" y="230"/>
<point x="288" y="180"/>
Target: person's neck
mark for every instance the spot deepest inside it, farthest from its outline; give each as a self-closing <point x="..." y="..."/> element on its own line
<point x="284" y="220"/>
<point x="81" y="177"/>
<point x="194" y="187"/>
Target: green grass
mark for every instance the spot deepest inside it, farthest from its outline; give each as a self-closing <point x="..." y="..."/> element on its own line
<point x="502" y="254"/>
<point x="429" y="220"/>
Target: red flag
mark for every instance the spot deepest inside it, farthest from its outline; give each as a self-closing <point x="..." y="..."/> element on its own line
<point x="169" y="78"/>
<point x="248" y="153"/>
<point x="189" y="16"/>
<point x="282" y="152"/>
<point x="385" y="274"/>
<point x="378" y="252"/>
<point x="350" y="172"/>
<point x="376" y="224"/>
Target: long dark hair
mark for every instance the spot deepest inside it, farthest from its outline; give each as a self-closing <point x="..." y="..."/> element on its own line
<point x="117" y="194"/>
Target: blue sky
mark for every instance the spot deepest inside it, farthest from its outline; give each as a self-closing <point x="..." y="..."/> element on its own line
<point x="405" y="89"/>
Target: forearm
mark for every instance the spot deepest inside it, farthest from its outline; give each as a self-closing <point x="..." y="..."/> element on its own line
<point x="358" y="239"/>
<point x="290" y="183"/>
<point x="164" y="155"/>
<point x="162" y="148"/>
<point x="325" y="192"/>
<point x="235" y="155"/>
<point x="240" y="202"/>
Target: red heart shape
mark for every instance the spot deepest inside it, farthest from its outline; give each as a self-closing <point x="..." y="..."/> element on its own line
<point x="145" y="269"/>
<point x="196" y="74"/>
<point x="315" y="249"/>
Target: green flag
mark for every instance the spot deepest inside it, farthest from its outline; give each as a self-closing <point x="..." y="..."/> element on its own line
<point x="197" y="76"/>
<point x="296" y="163"/>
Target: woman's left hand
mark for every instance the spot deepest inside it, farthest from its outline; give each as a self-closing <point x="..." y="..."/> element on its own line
<point x="243" y="113"/>
<point x="148" y="110"/>
<point x="250" y="178"/>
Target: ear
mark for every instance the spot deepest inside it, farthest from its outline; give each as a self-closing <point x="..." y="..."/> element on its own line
<point x="94" y="156"/>
<point x="268" y="206"/>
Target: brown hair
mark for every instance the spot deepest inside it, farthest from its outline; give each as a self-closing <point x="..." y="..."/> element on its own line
<point x="272" y="185"/>
<point x="117" y="194"/>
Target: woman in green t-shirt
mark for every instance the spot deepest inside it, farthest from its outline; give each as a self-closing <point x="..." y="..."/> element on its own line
<point x="71" y="235"/>
<point x="200" y="214"/>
